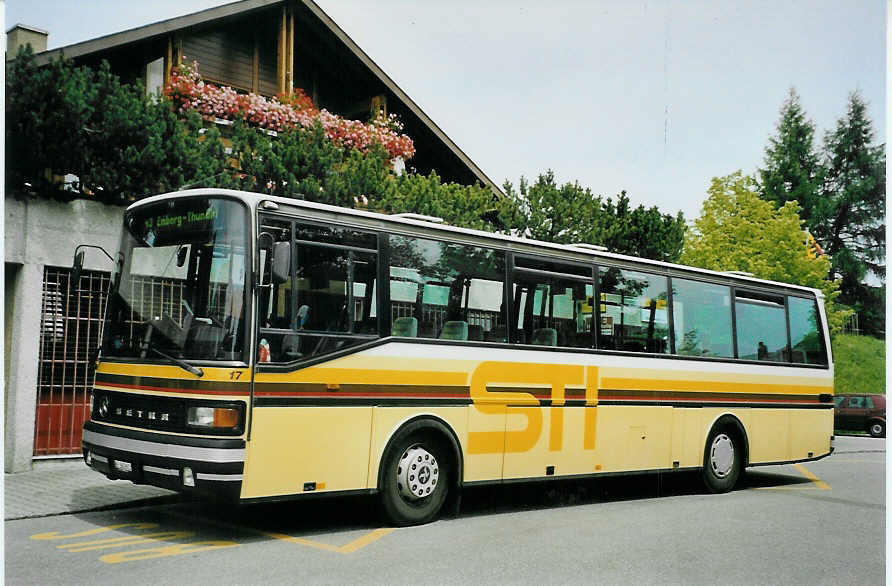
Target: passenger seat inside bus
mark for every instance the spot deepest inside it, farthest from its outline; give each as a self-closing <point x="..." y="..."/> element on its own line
<point x="497" y="334"/>
<point x="545" y="337"/>
<point x="406" y="327"/>
<point x="454" y="330"/>
<point x="426" y="329"/>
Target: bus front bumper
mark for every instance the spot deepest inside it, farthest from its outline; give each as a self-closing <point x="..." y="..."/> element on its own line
<point x="208" y="465"/>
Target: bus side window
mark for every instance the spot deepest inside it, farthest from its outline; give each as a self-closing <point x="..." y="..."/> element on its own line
<point x="805" y="336"/>
<point x="634" y="311"/>
<point x="452" y="291"/>
<point x="702" y="317"/>
<point x="552" y="303"/>
<point x="761" y="326"/>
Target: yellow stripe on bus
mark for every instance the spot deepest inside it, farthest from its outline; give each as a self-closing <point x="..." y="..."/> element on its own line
<point x="743" y="386"/>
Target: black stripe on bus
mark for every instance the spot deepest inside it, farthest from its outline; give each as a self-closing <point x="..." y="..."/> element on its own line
<point x="357" y="402"/>
<point x="173" y="384"/>
<point x="730" y="404"/>
<point x="433" y="402"/>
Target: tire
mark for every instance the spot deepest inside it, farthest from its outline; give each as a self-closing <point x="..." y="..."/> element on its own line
<point x="722" y="459"/>
<point x="877" y="429"/>
<point x="415" y="478"/>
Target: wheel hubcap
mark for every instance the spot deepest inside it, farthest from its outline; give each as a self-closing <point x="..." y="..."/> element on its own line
<point x="417" y="473"/>
<point x="721" y="455"/>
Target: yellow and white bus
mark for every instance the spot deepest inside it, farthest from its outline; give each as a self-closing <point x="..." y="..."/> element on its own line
<point x="262" y="348"/>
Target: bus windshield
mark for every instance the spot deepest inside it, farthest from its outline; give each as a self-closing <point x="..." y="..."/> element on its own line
<point x="181" y="282"/>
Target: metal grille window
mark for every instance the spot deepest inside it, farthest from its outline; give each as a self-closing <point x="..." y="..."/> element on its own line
<point x="70" y="331"/>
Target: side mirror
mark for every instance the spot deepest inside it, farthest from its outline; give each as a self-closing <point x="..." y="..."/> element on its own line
<point x="77" y="269"/>
<point x="281" y="268"/>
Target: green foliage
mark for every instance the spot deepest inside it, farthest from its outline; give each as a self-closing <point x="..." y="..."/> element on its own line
<point x="739" y="231"/>
<point x="570" y="213"/>
<point x="644" y="232"/>
<point x="793" y="170"/>
<point x="468" y="206"/>
<point x="842" y="198"/>
<point x="859" y="364"/>
<point x="63" y="119"/>
<point x="564" y="214"/>
<point x="852" y="223"/>
<point x="119" y="143"/>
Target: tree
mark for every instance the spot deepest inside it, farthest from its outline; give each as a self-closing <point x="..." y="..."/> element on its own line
<point x="118" y="143"/>
<point x="841" y="196"/>
<point x="739" y="231"/>
<point x="469" y="206"/>
<point x="570" y="213"/>
<point x="644" y="232"/>
<point x="853" y="227"/>
<point x="793" y="170"/>
<point x="552" y="213"/>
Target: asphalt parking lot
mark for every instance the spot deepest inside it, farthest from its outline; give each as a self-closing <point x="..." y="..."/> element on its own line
<point x="820" y="522"/>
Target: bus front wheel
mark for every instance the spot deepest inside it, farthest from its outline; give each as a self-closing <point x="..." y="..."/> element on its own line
<point x="415" y="478"/>
<point x="723" y="460"/>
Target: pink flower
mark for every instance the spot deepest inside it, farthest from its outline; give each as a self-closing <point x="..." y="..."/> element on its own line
<point x="187" y="91"/>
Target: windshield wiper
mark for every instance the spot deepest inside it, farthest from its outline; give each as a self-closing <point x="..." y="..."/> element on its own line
<point x="181" y="363"/>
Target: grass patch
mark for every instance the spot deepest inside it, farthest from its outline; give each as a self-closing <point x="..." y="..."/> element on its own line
<point x="860" y="364"/>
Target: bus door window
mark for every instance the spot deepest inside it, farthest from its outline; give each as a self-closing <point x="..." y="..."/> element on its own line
<point x="365" y="274"/>
<point x="702" y="317"/>
<point x="276" y="298"/>
<point x="761" y="326"/>
<point x="329" y="302"/>
<point x="322" y="286"/>
<point x="634" y="311"/>
<point x="553" y="303"/>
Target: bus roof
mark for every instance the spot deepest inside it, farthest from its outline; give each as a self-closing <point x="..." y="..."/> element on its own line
<point x="254" y="200"/>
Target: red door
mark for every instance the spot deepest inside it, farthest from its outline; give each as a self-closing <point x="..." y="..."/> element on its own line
<point x="70" y="330"/>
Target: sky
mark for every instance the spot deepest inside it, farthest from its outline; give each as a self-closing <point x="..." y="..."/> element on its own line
<point x="653" y="97"/>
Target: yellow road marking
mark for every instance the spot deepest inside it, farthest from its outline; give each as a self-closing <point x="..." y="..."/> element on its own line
<point x="816" y="483"/>
<point x="125" y="541"/>
<point x="808" y="474"/>
<point x="351" y="547"/>
<point x="165" y="551"/>
<point x="786" y="488"/>
<point x="365" y="540"/>
<point x="57" y="535"/>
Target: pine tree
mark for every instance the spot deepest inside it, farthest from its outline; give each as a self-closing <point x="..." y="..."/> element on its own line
<point x="853" y="230"/>
<point x="792" y="167"/>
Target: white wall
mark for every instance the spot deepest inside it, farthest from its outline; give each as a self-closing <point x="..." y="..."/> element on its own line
<point x="40" y="233"/>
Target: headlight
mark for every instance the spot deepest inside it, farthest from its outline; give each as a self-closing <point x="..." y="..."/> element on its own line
<point x="213" y="417"/>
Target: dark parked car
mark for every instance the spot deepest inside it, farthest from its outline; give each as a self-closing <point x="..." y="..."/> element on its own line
<point x="861" y="413"/>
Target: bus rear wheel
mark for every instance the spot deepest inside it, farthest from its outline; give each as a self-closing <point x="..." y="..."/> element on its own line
<point x="415" y="478"/>
<point x="722" y="460"/>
